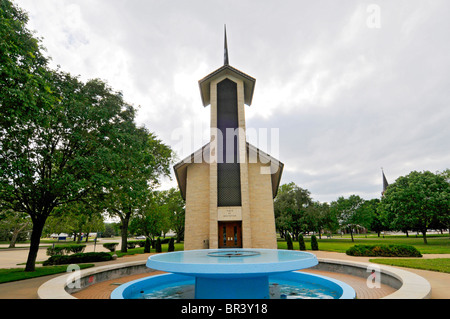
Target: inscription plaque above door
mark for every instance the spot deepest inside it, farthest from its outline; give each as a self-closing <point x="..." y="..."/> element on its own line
<point x="229" y="213"/>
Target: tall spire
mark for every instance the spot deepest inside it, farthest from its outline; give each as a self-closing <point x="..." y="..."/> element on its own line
<point x="385" y="182"/>
<point x="225" y="56"/>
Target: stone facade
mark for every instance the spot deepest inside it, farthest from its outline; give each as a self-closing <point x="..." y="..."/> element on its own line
<point x="206" y="224"/>
<point x="201" y="224"/>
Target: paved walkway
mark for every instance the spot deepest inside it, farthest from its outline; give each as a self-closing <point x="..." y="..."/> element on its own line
<point x="104" y="289"/>
<point x="27" y="289"/>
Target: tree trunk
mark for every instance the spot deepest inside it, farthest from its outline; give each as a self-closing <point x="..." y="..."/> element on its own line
<point x="351" y="234"/>
<point x="16" y="232"/>
<point x="124" y="234"/>
<point x="38" y="226"/>
<point x="424" y="232"/>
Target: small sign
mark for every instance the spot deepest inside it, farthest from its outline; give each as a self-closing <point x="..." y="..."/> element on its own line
<point x="229" y="213"/>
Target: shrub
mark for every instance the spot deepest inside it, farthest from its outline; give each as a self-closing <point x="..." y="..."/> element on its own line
<point x="314" y="243"/>
<point x="131" y="244"/>
<point x="290" y="245"/>
<point x="158" y="245"/>
<point x="171" y="245"/>
<point x="301" y="242"/>
<point x="147" y="246"/>
<point x="110" y="246"/>
<point x="165" y="240"/>
<point x="65" y="249"/>
<point x="77" y="258"/>
<point x="140" y="243"/>
<point x="383" y="251"/>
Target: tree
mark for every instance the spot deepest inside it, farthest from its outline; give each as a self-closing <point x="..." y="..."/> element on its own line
<point x="301" y="242"/>
<point x="351" y="212"/>
<point x="319" y="218"/>
<point x="14" y="223"/>
<point x="376" y="223"/>
<point x="75" y="218"/>
<point x="444" y="218"/>
<point x="171" y="246"/>
<point x="314" y="243"/>
<point x="176" y="209"/>
<point x="51" y="158"/>
<point x="290" y="207"/>
<point x="137" y="161"/>
<point x="151" y="218"/>
<point x="417" y="200"/>
<point x="289" y="243"/>
<point x="61" y="153"/>
<point x="23" y="68"/>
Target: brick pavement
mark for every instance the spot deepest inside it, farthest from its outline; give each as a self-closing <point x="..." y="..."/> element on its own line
<point x="440" y="282"/>
<point x="103" y="290"/>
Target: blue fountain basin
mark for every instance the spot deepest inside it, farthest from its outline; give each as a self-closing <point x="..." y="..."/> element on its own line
<point x="228" y="273"/>
<point x="243" y="262"/>
<point x="313" y="286"/>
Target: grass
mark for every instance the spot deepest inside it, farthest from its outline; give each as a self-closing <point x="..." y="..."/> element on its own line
<point x="436" y="244"/>
<point x="14" y="274"/>
<point x="140" y="250"/>
<point x="437" y="264"/>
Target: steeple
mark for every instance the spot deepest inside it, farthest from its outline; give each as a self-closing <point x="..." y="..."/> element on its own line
<point x="385" y="182"/>
<point x="226" y="70"/>
<point x="225" y="53"/>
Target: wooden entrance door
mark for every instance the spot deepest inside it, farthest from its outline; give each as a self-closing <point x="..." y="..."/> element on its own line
<point x="230" y="234"/>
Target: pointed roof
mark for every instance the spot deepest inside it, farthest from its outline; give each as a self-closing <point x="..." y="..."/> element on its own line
<point x="249" y="83"/>
<point x="202" y="156"/>
<point x="385" y="182"/>
<point x="225" y="57"/>
<point x="226" y="69"/>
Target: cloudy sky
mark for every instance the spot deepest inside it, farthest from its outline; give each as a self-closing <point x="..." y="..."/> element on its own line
<point x="351" y="86"/>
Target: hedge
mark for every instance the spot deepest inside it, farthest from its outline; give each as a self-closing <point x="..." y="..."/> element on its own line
<point x="110" y="246"/>
<point x="77" y="258"/>
<point x="65" y="249"/>
<point x="158" y="245"/>
<point x="383" y="251"/>
<point x="314" y="243"/>
<point x="171" y="246"/>
<point x="301" y="242"/>
<point x="289" y="243"/>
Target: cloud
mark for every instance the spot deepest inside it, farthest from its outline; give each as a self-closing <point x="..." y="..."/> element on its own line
<point x="347" y="97"/>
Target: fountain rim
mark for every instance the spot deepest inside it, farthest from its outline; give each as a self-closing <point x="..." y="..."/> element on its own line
<point x="233" y="269"/>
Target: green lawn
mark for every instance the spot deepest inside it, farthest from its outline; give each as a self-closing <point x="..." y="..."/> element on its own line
<point x="14" y="274"/>
<point x="438" y="264"/>
<point x="140" y="250"/>
<point x="436" y="244"/>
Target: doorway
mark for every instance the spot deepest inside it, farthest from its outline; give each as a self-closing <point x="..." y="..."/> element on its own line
<point x="230" y="234"/>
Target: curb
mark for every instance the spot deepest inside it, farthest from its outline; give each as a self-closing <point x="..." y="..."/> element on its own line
<point x="409" y="285"/>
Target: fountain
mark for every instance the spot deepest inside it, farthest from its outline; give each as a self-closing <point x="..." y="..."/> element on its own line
<point x="232" y="274"/>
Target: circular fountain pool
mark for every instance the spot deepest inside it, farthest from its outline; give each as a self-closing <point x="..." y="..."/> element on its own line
<point x="233" y="274"/>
